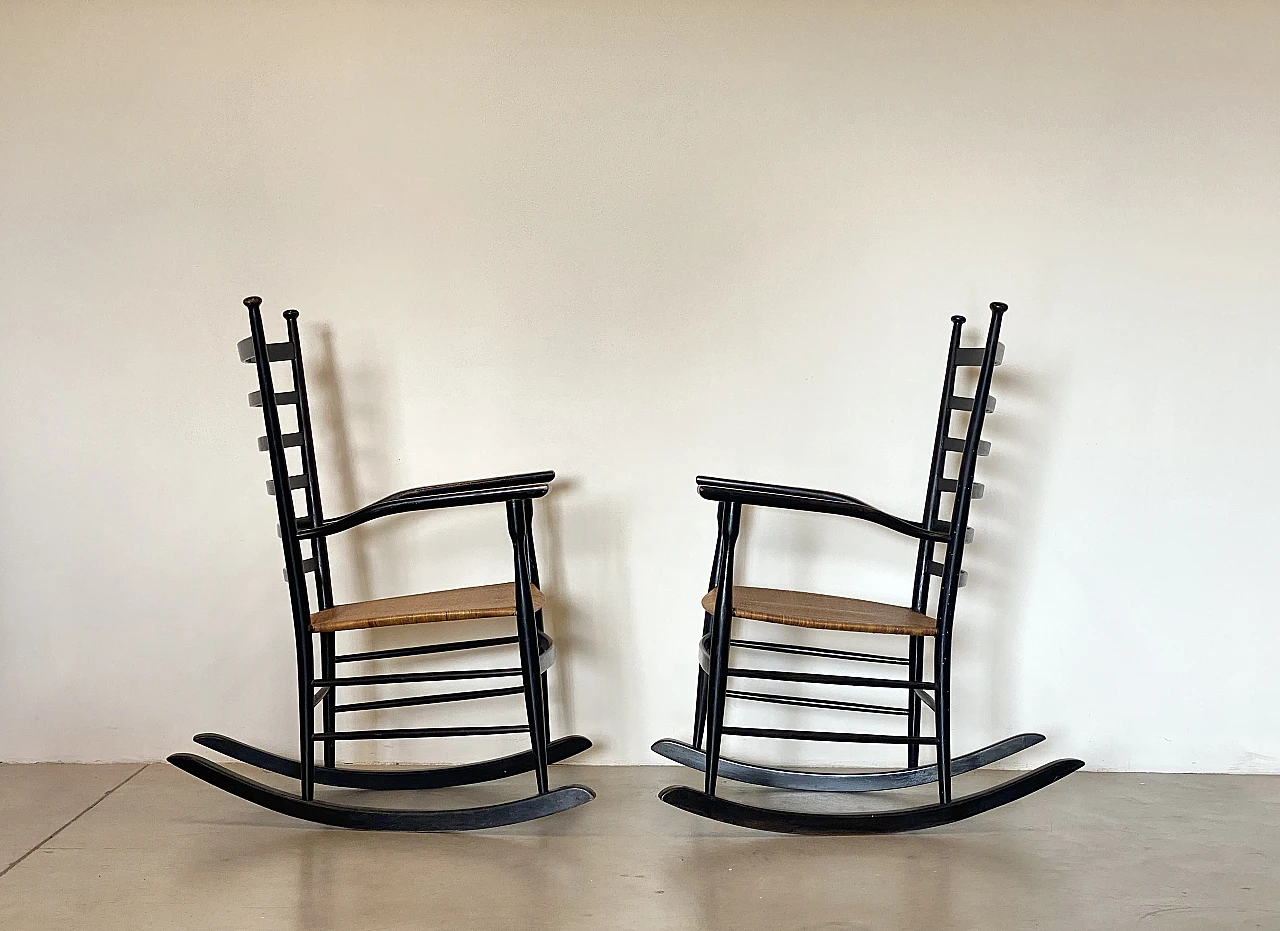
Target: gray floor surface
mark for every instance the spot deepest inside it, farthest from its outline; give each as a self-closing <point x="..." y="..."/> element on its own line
<point x="148" y="847"/>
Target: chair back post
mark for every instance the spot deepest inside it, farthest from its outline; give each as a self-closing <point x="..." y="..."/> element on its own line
<point x="319" y="545"/>
<point x="933" y="493"/>
<point x="285" y="511"/>
<point x="964" y="480"/>
<point x="295" y="573"/>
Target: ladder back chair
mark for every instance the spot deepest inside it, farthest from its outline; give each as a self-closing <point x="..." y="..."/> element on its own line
<point x="726" y="601"/>
<point x="304" y="532"/>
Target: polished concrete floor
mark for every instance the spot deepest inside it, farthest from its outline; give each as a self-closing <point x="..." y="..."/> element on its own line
<point x="148" y="847"/>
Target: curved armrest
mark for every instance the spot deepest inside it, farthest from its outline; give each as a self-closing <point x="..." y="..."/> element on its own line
<point x="809" y="499"/>
<point x="740" y="485"/>
<point x="424" y="499"/>
<point x="477" y="484"/>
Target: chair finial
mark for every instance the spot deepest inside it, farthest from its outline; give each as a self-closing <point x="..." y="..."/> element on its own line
<point x="957" y="319"/>
<point x="291" y="314"/>
<point x="252" y="302"/>
<point x="999" y="307"/>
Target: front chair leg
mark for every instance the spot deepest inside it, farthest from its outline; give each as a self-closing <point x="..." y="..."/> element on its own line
<point x="530" y="643"/>
<point x="915" y="668"/>
<point x="721" y="634"/>
<point x="700" y="701"/>
<point x="717" y="681"/>
<point x="537" y="615"/>
<point x="543" y="686"/>
<point x="329" y="704"/>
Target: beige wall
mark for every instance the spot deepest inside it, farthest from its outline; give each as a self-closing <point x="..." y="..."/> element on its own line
<point x="633" y="243"/>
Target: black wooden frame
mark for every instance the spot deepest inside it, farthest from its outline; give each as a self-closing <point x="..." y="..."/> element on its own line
<point x="312" y="530"/>
<point x="921" y="693"/>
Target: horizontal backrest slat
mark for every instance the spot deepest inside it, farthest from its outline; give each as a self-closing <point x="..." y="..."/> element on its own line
<point x="977" y="354"/>
<point x="949" y="484"/>
<point x="295" y="482"/>
<point x="935" y="568"/>
<point x="308" y="565"/>
<point x="282" y="397"/>
<point x="945" y="527"/>
<point x="953" y="444"/>
<point x="287" y="440"/>
<point x="276" y="352"/>
<point x="966" y="404"/>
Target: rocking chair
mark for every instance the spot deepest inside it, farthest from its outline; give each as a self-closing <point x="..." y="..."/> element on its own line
<point x="726" y="601"/>
<point x="520" y="599"/>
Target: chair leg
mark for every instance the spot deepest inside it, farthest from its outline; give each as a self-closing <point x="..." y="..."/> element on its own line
<point x="717" y="684"/>
<point x="543" y="686"/>
<point x="721" y="634"/>
<point x="700" y="700"/>
<point x="306" y="722"/>
<point x="537" y="617"/>
<point x="329" y="704"/>
<point x="916" y="667"/>
<point x="534" y="704"/>
<point x="527" y="629"/>
<point x="942" y="716"/>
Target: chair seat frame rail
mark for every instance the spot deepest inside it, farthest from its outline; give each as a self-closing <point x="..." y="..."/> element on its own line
<point x="318" y="660"/>
<point x="920" y="689"/>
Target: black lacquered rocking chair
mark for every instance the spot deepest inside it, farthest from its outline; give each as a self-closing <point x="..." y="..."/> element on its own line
<point x="519" y="599"/>
<point x="726" y="601"/>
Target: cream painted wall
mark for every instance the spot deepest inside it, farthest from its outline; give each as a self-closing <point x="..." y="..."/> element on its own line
<point x="636" y="242"/>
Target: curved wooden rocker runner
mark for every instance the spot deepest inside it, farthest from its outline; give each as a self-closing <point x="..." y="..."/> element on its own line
<point x="725" y="602"/>
<point x="520" y="599"/>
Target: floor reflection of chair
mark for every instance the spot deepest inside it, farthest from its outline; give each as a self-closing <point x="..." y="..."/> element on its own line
<point x="726" y="601"/>
<point x="520" y="599"/>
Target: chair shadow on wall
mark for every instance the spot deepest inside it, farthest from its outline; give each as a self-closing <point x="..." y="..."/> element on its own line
<point x="354" y="431"/>
<point x="341" y="483"/>
<point x="601" y="634"/>
<point x="991" y="619"/>
<point x="1006" y="522"/>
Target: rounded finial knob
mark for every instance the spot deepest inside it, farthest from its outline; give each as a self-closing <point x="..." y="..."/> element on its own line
<point x="291" y="314"/>
<point x="999" y="307"/>
<point x="253" y="302"/>
<point x="957" y="319"/>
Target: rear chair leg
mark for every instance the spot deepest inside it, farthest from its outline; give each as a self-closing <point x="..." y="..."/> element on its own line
<point x="700" y="701"/>
<point x="942" y="717"/>
<point x="306" y="723"/>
